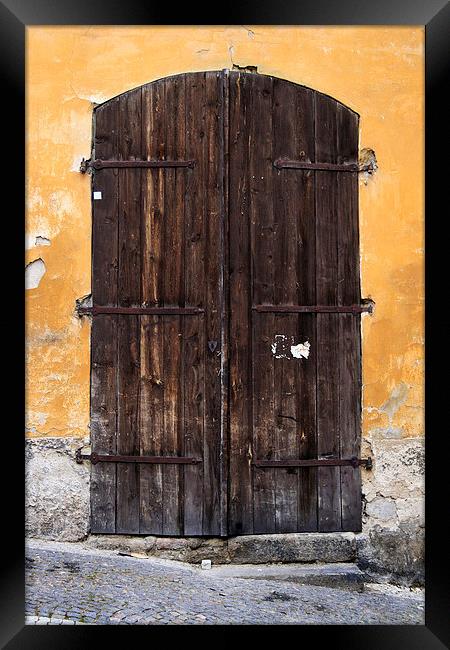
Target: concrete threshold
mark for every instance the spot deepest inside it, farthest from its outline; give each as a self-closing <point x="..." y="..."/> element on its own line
<point x="339" y="576"/>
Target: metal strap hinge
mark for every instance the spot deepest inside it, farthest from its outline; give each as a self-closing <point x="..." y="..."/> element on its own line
<point x="156" y="460"/>
<point x="140" y="311"/>
<point x="89" y="165"/>
<point x="319" y="462"/>
<point x="283" y="163"/>
<point x="316" y="309"/>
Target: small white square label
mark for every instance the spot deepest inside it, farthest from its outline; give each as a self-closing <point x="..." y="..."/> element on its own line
<point x="97" y="195"/>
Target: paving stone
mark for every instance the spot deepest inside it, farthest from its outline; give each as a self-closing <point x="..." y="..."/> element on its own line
<point x="125" y="590"/>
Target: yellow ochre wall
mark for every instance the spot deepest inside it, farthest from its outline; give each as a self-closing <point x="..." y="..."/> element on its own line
<point x="377" y="71"/>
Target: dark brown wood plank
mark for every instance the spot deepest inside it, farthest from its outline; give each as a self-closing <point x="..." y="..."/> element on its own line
<point x="104" y="330"/>
<point x="171" y="473"/>
<point x="349" y="333"/>
<point x="306" y="328"/>
<point x="329" y="487"/>
<point x="240" y="407"/>
<point x="194" y="349"/>
<point x="173" y="295"/>
<point x="262" y="251"/>
<point x="286" y="375"/>
<point x="151" y="336"/>
<point x="350" y="420"/>
<point x="129" y="294"/>
<point x="225" y="317"/>
<point x="213" y="273"/>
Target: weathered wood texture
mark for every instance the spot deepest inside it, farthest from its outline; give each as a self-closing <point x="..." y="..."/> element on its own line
<point x="230" y="233"/>
<point x="293" y="241"/>
<point x="157" y="242"/>
<point x="104" y="330"/>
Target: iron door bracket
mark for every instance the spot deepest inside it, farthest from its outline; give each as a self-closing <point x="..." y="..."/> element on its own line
<point x="116" y="458"/>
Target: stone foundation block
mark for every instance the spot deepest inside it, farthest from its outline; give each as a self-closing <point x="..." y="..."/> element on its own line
<point x="293" y="547"/>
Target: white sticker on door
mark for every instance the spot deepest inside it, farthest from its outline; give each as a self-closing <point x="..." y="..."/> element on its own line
<point x="97" y="196"/>
<point x="285" y="347"/>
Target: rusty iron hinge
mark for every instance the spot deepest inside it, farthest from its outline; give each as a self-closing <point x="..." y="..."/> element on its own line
<point x="284" y="163"/>
<point x="89" y="165"/>
<point x="314" y="309"/>
<point x="156" y="460"/>
<point x="319" y="462"/>
<point x="155" y="311"/>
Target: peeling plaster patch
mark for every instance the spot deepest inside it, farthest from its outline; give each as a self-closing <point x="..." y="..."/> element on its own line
<point x="34" y="199"/>
<point x="301" y="350"/>
<point x="368" y="159"/>
<point x="94" y="99"/>
<point x="39" y="418"/>
<point x="60" y="206"/>
<point x="44" y="336"/>
<point x="42" y="241"/>
<point x="245" y="68"/>
<point x="231" y="52"/>
<point x="61" y="202"/>
<point x="57" y="490"/>
<point x="284" y="347"/>
<point x="382" y="509"/>
<point x="398" y="472"/>
<point x="386" y="432"/>
<point x="76" y="163"/>
<point x="411" y="509"/>
<point x="34" y="272"/>
<point x="395" y="401"/>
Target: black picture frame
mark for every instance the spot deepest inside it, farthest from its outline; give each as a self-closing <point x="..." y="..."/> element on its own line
<point x="15" y="16"/>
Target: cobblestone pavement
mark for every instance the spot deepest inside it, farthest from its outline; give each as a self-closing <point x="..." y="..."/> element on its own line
<point x="66" y="584"/>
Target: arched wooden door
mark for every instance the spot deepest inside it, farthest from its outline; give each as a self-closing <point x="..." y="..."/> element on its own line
<point x="225" y="395"/>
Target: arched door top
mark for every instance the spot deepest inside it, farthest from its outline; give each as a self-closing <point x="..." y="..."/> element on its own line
<point x="226" y="309"/>
<point x="230" y="74"/>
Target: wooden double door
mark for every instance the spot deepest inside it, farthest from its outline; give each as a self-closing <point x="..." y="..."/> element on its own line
<point x="225" y="347"/>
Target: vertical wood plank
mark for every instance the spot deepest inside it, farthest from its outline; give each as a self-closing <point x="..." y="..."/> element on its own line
<point x="224" y="290"/>
<point x="129" y="294"/>
<point x="241" y="425"/>
<point x="194" y="287"/>
<point x="286" y="371"/>
<point x="172" y="292"/>
<point x="104" y="330"/>
<point x="306" y="295"/>
<point x="213" y="262"/>
<point x="151" y="331"/>
<point x="349" y="292"/>
<point x="262" y="251"/>
<point x="306" y="291"/>
<point x="329" y="486"/>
